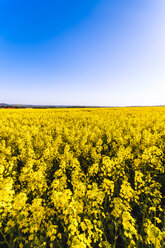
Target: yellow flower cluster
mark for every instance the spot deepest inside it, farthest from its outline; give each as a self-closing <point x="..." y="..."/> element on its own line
<point x="82" y="178"/>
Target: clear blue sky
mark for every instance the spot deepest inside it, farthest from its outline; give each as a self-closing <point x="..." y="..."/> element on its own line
<point x="82" y="52"/>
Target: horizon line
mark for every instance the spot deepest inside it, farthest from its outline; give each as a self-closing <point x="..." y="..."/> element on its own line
<point x="76" y="105"/>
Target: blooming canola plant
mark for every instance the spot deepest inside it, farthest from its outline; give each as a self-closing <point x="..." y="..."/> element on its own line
<point x="82" y="177"/>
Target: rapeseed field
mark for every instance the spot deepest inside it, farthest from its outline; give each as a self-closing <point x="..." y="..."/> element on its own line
<point x="82" y="178"/>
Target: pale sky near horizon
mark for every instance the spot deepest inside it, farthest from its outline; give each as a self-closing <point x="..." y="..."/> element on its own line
<point x="86" y="52"/>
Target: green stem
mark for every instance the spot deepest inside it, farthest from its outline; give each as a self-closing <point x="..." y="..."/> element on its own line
<point x="59" y="244"/>
<point x="5" y="239"/>
<point x="103" y="229"/>
<point x="114" y="245"/>
<point x="155" y="225"/>
<point x="143" y="218"/>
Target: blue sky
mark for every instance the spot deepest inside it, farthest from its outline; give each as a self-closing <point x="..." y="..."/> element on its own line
<point x="85" y="52"/>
